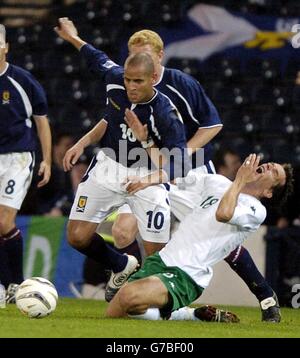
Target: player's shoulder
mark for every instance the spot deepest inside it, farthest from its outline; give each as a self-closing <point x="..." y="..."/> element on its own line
<point x="161" y="102"/>
<point x="257" y="209"/>
<point x="215" y="183"/>
<point x="115" y="74"/>
<point x="219" y="180"/>
<point x="117" y="69"/>
<point x="177" y="76"/>
<point x="163" y="107"/>
<point x="19" y="73"/>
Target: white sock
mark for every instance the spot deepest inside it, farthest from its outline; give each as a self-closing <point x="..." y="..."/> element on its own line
<point x="152" y="314"/>
<point x="184" y="314"/>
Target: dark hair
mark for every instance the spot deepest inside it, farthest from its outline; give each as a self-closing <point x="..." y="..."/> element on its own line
<point x="282" y="192"/>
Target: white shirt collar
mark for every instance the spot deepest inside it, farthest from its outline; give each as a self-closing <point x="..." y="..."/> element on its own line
<point x="161" y="76"/>
<point x="151" y="99"/>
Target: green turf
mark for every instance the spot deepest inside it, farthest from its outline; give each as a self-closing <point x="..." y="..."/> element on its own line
<point x="85" y="318"/>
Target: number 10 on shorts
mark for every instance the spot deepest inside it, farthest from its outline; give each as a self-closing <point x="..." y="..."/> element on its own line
<point x="156" y="220"/>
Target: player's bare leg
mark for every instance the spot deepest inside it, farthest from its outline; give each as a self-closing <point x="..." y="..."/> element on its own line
<point x="7" y="219"/>
<point x="136" y="297"/>
<point x="80" y="233"/>
<point x="124" y="230"/>
<point x="152" y="247"/>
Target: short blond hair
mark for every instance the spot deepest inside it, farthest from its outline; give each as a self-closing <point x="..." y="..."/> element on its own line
<point x="146" y="37"/>
<point x="3" y="32"/>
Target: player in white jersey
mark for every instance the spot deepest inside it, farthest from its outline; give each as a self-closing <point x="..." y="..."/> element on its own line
<point x="226" y="214"/>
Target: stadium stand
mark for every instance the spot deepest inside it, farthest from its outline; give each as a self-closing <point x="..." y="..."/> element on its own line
<point x="259" y="93"/>
<point x="263" y="86"/>
<point x="17" y="13"/>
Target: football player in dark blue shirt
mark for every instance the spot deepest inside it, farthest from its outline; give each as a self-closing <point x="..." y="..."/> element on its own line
<point x="201" y="119"/>
<point x="202" y="123"/>
<point x="21" y="99"/>
<point x="121" y="172"/>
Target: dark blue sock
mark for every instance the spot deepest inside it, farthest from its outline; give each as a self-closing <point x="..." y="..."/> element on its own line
<point x="13" y="244"/>
<point x="102" y="252"/>
<point x="5" y="274"/>
<point x="132" y="249"/>
<point x="241" y="262"/>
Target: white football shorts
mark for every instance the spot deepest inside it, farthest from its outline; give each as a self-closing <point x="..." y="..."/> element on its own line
<point x="15" y="177"/>
<point x="181" y="201"/>
<point x="103" y="191"/>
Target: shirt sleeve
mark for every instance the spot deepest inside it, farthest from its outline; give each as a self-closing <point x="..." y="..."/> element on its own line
<point x="97" y="61"/>
<point x="248" y="216"/>
<point x="197" y="105"/>
<point x="38" y="98"/>
<point x="172" y="133"/>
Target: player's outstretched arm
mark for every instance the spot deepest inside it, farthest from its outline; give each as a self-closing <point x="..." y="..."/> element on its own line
<point x="93" y="136"/>
<point x="202" y="137"/>
<point x="133" y="183"/>
<point x="68" y="32"/>
<point x="73" y="154"/>
<point x="96" y="60"/>
<point x="44" y="134"/>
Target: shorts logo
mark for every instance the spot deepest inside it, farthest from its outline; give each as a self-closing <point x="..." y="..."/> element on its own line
<point x="5" y="97"/>
<point x="168" y="275"/>
<point x="81" y="204"/>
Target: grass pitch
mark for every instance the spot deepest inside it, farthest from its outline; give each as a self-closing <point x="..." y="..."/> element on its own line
<point x="85" y="318"/>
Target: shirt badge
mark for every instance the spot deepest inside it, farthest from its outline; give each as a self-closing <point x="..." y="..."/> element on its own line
<point x="81" y="204"/>
<point x="5" y="97"/>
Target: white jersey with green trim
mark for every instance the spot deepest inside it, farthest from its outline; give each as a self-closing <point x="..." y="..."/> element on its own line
<point x="201" y="241"/>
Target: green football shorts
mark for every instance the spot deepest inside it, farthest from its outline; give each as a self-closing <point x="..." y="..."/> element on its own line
<point x="181" y="287"/>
